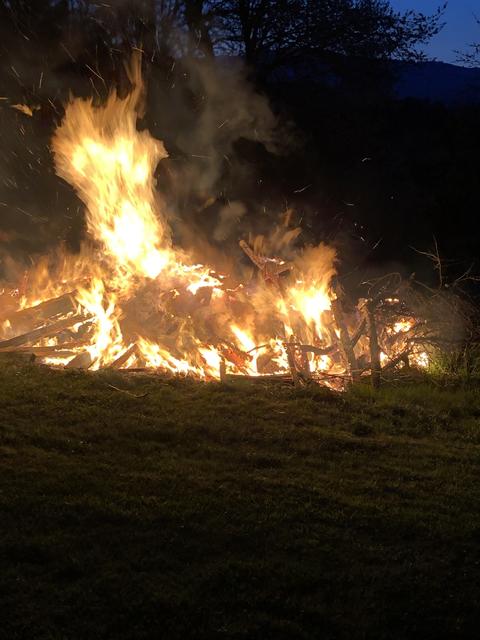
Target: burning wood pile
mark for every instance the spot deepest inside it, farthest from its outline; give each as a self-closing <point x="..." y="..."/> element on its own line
<point x="374" y="337"/>
<point x="132" y="300"/>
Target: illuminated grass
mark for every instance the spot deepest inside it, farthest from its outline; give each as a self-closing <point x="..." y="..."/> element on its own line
<point x="204" y="511"/>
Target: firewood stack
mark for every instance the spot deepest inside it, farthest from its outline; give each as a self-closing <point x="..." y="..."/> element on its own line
<point x="50" y="321"/>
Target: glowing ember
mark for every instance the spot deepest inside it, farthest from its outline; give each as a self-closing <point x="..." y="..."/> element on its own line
<point x="403" y="326"/>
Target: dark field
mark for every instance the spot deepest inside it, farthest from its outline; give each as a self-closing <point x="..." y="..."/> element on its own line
<point x="209" y="511"/>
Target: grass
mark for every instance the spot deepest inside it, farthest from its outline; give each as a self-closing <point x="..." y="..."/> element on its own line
<point x="211" y="511"/>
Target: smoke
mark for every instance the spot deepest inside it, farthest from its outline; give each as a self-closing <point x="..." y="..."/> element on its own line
<point x="217" y="130"/>
<point x="228" y="220"/>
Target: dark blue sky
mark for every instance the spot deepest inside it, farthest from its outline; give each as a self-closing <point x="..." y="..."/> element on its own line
<point x="460" y="29"/>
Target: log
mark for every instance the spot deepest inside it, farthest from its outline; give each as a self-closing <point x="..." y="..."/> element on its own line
<point x="124" y="357"/>
<point x="46" y="331"/>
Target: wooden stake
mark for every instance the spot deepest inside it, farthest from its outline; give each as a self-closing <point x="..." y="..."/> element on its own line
<point x="345" y="342"/>
<point x="376" y="367"/>
<point x="359" y="331"/>
<point x="223" y="370"/>
<point x="291" y="363"/>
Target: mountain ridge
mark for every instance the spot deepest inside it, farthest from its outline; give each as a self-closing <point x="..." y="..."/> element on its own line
<point x="439" y="82"/>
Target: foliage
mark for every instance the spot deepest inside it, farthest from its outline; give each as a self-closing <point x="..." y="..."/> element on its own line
<point x="457" y="365"/>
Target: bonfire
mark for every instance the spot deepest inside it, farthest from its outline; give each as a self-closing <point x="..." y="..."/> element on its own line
<point x="133" y="300"/>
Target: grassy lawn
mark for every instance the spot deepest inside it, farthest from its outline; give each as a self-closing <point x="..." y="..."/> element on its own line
<point x="210" y="511"/>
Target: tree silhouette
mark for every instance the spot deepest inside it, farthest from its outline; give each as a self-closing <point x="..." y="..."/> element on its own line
<point x="471" y="57"/>
<point x="272" y="31"/>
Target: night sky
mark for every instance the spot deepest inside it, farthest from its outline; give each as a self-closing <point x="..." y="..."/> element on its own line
<point x="460" y="30"/>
